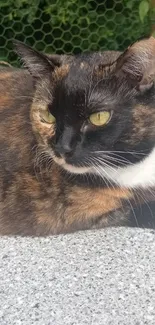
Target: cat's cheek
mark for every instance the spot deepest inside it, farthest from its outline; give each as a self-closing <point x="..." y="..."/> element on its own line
<point x="142" y="125"/>
<point x="43" y="131"/>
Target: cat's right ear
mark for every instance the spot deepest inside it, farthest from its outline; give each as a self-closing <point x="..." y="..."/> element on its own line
<point x="37" y="63"/>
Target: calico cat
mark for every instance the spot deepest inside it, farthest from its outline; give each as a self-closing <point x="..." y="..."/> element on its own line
<point x="77" y="140"/>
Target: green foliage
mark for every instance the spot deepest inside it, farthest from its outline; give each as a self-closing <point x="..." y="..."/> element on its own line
<point x="143" y="9"/>
<point x="65" y="26"/>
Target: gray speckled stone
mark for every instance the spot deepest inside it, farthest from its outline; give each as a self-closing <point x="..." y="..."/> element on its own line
<point x="100" y="277"/>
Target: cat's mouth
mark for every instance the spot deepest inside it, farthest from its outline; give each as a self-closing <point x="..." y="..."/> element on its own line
<point x="70" y="167"/>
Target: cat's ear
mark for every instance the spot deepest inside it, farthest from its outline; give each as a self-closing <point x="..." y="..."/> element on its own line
<point x="137" y="63"/>
<point x="36" y="62"/>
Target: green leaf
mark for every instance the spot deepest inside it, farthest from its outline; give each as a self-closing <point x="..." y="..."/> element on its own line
<point x="3" y="4"/>
<point x="130" y="4"/>
<point x="143" y="10"/>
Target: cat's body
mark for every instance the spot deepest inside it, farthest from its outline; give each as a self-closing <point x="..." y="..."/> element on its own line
<point x="36" y="199"/>
<point x="37" y="195"/>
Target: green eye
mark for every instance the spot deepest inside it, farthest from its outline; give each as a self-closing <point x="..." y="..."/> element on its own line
<point x="100" y="118"/>
<point x="48" y="117"/>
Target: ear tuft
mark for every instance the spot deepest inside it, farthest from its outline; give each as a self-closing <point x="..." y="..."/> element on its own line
<point x="37" y="63"/>
<point x="138" y="62"/>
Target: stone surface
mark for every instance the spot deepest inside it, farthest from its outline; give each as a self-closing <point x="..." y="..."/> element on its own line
<point x="104" y="277"/>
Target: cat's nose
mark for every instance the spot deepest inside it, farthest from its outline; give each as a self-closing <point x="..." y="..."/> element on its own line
<point x="63" y="150"/>
<point x="66" y="143"/>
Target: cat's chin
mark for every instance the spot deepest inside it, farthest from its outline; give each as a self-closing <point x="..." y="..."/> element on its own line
<point x="71" y="168"/>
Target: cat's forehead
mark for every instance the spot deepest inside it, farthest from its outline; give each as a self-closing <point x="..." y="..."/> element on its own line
<point x="84" y="79"/>
<point x="95" y="58"/>
<point x="86" y="65"/>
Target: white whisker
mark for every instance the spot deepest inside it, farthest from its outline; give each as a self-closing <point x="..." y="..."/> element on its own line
<point x="116" y="151"/>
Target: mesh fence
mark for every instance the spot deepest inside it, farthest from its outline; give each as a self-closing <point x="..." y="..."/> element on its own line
<point x="65" y="26"/>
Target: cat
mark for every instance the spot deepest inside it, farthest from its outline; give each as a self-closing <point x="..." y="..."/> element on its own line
<point x="77" y="140"/>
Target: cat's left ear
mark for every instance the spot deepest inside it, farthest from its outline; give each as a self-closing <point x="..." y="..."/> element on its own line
<point x="37" y="63"/>
<point x="137" y="64"/>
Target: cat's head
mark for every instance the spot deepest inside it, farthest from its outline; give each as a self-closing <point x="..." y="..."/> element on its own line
<point x="94" y="113"/>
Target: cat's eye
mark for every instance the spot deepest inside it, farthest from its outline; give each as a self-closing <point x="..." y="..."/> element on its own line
<point x="47" y="117"/>
<point x="100" y="118"/>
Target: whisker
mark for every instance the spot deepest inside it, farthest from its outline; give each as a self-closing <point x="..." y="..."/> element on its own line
<point x="109" y="163"/>
<point x="90" y="84"/>
<point x="124" y="152"/>
<point x="97" y="83"/>
<point x="108" y="178"/>
<point x="121" y="161"/>
<point x="104" y="163"/>
<point x="27" y="97"/>
<point x="132" y="209"/>
<point x="142" y="195"/>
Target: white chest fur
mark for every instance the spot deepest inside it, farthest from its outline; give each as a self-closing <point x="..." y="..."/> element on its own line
<point x="141" y="174"/>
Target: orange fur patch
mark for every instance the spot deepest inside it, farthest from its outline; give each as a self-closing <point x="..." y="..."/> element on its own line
<point x="4" y="101"/>
<point x="61" y="72"/>
<point x="5" y="75"/>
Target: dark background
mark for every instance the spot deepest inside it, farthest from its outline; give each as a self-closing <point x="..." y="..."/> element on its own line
<point x="65" y="26"/>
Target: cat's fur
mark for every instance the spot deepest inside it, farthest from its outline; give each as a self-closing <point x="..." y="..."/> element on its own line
<point x="71" y="176"/>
